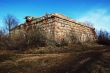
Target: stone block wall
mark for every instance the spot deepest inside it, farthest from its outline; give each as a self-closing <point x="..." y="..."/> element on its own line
<point x="57" y="27"/>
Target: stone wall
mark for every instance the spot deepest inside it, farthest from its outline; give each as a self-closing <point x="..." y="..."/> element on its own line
<point x="57" y="27"/>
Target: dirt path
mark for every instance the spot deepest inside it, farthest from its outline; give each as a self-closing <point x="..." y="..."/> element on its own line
<point x="30" y="57"/>
<point x="56" y="63"/>
<point x="76" y="65"/>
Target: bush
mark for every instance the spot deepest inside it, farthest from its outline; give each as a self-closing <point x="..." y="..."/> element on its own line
<point x="4" y="40"/>
<point x="103" y="38"/>
<point x="33" y="38"/>
<point x="36" y="38"/>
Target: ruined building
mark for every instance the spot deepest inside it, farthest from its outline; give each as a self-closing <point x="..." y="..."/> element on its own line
<point x="57" y="27"/>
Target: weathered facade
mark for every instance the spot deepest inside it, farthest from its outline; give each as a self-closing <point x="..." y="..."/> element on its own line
<point x="57" y="27"/>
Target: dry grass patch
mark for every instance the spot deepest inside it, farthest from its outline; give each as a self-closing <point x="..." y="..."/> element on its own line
<point x="39" y="63"/>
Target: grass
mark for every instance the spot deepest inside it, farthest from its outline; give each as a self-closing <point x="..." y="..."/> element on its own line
<point x="50" y="59"/>
<point x="64" y="49"/>
<point x="32" y="64"/>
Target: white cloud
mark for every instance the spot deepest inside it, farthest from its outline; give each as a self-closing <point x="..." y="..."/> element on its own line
<point x="99" y="18"/>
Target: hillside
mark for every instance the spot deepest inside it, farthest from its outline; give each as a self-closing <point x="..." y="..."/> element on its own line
<point x="71" y="60"/>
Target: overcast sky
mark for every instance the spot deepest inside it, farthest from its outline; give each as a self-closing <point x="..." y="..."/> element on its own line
<point x="96" y="12"/>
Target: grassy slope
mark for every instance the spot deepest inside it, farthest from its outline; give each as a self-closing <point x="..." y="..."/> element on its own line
<point x="46" y="60"/>
<point x="31" y="63"/>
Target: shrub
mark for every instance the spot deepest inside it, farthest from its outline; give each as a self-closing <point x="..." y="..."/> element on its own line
<point x="103" y="38"/>
<point x="35" y="39"/>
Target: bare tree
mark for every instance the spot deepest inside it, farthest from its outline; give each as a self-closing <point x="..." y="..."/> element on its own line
<point x="103" y="38"/>
<point x="1" y="33"/>
<point x="10" y="22"/>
